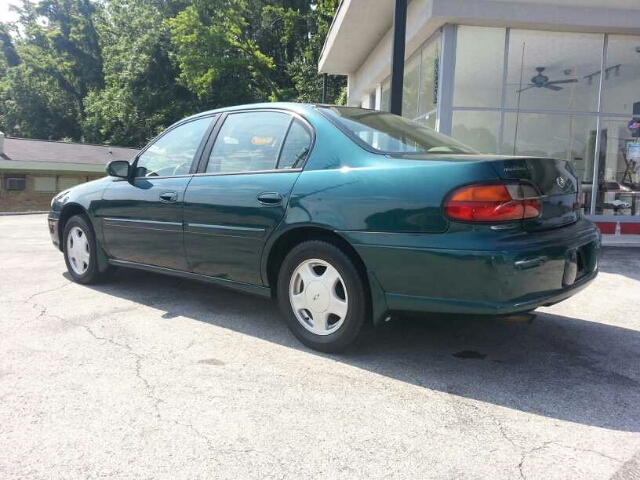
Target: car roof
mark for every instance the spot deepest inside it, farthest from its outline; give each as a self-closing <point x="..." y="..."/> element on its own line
<point x="291" y="106"/>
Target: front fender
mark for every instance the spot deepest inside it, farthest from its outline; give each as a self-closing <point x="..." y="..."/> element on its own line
<point x="81" y="199"/>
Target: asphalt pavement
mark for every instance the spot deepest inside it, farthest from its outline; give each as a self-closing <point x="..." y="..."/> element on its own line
<point x="155" y="377"/>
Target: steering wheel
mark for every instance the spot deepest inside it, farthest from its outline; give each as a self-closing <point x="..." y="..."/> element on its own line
<point x="177" y="169"/>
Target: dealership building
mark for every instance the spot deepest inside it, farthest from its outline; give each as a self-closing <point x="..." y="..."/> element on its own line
<point x="549" y="78"/>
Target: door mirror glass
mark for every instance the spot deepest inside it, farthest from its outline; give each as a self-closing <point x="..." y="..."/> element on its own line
<point x="173" y="153"/>
<point x="118" y="168"/>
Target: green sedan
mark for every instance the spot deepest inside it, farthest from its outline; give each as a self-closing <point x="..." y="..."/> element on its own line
<point x="344" y="215"/>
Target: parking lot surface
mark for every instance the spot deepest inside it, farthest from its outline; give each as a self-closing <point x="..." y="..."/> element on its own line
<point x="156" y="377"/>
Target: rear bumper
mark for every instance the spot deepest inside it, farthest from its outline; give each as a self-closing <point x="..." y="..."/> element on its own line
<point x="508" y="276"/>
<point x="409" y="303"/>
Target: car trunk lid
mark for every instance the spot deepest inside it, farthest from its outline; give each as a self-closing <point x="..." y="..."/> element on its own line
<point x="556" y="181"/>
<point x="553" y="178"/>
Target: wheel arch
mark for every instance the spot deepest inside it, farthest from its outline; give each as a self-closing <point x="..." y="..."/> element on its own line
<point x="283" y="243"/>
<point x="68" y="211"/>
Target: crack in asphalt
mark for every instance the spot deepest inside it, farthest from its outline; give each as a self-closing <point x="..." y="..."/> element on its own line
<point x="562" y="445"/>
<point x="489" y="415"/>
<point x="525" y="454"/>
<point x="630" y="470"/>
<point x="150" y="390"/>
<point x="31" y="297"/>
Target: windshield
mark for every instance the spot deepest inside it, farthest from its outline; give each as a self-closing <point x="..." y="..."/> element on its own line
<point x="389" y="133"/>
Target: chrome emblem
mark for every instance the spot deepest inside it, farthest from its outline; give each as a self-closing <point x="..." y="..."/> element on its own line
<point x="561" y="182"/>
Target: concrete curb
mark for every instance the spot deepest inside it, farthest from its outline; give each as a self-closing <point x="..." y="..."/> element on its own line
<point x="626" y="241"/>
<point x="6" y="214"/>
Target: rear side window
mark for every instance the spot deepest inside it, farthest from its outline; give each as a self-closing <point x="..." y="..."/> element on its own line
<point x="248" y="142"/>
<point x="296" y="146"/>
<point x="387" y="133"/>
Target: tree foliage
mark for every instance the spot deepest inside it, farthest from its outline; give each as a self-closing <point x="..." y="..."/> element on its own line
<point x="119" y="71"/>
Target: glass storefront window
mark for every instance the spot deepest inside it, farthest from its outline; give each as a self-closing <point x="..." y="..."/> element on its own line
<point x="385" y="96"/>
<point x="621" y="84"/>
<point x="550" y="105"/>
<point x="429" y="73"/>
<point x="479" y="67"/>
<point x="410" y="88"/>
<point x="618" y="172"/>
<point x="567" y="137"/>
<point x="428" y="119"/>
<point x="553" y="71"/>
<point x="420" y="85"/>
<point x="479" y="130"/>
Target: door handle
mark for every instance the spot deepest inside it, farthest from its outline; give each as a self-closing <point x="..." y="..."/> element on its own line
<point x="168" y="197"/>
<point x="270" y="198"/>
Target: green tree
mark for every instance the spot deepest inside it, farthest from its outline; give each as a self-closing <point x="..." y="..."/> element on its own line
<point x="218" y="59"/>
<point x="142" y="95"/>
<point x="120" y="71"/>
<point x="303" y="69"/>
<point x="54" y="64"/>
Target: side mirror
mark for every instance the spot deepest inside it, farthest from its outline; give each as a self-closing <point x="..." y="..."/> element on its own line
<point x="118" y="168"/>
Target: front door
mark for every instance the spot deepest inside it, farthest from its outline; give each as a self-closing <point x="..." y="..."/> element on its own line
<point x="142" y="217"/>
<point x="242" y="192"/>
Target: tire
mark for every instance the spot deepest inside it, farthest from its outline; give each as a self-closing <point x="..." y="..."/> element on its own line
<point x="325" y="312"/>
<point x="80" y="251"/>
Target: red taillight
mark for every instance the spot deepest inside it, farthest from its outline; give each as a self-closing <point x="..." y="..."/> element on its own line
<point x="493" y="203"/>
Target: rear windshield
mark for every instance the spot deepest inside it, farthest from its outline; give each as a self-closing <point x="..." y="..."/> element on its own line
<point x="387" y="133"/>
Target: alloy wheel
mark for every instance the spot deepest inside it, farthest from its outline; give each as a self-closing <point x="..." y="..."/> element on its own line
<point x="318" y="296"/>
<point x="78" y="250"/>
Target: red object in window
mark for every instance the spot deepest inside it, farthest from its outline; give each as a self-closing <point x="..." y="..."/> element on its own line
<point x="607" y="228"/>
<point x="630" y="228"/>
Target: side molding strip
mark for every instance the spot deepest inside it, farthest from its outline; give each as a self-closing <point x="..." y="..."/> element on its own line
<point x="223" y="282"/>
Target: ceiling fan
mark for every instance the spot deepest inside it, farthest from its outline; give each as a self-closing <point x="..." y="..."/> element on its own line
<point x="542" y="81"/>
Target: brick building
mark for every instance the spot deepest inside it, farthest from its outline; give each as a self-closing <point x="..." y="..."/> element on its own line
<point x="33" y="171"/>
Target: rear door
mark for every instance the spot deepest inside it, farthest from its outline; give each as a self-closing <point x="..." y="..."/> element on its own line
<point x="142" y="216"/>
<point x="242" y="190"/>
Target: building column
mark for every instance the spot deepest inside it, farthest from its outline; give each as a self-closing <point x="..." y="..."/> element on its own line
<point x="446" y="74"/>
<point x="324" y="88"/>
<point x="397" y="55"/>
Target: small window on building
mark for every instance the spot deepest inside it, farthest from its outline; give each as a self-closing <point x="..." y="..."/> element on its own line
<point x="44" y="184"/>
<point x="65" y="183"/>
<point x="15" y="182"/>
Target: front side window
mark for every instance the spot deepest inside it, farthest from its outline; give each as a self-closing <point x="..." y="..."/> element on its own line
<point x="389" y="133"/>
<point x="173" y="153"/>
<point x="249" y="142"/>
